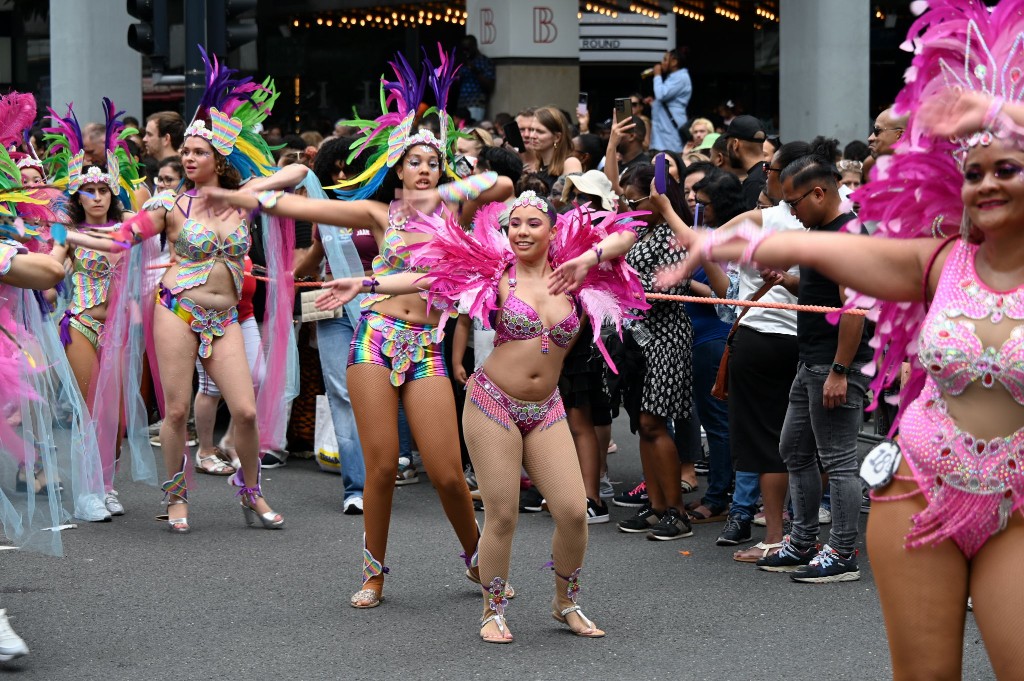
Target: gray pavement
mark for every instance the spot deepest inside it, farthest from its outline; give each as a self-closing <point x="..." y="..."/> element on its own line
<point x="131" y="601"/>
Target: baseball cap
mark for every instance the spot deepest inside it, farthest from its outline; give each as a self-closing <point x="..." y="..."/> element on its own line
<point x="746" y="128"/>
<point x="708" y="141"/>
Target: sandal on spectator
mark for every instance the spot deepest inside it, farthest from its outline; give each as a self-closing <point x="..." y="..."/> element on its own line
<point x="756" y="552"/>
<point x="687" y="486"/>
<point x="214" y="464"/>
<point x="706" y="514"/>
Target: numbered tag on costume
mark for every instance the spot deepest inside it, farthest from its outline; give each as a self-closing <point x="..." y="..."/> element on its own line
<point x="880" y="464"/>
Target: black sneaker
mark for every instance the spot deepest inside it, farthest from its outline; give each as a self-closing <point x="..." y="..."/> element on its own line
<point x="827" y="567"/>
<point x="274" y="459"/>
<point x="634" y="498"/>
<point x="531" y="501"/>
<point x="788" y="559"/>
<point x="596" y="513"/>
<point x="643" y="521"/>
<point x="865" y="503"/>
<point x="735" y="532"/>
<point x="673" y="525"/>
<point x="702" y="467"/>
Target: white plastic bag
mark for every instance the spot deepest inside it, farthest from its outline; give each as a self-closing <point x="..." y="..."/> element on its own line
<point x="325" y="443"/>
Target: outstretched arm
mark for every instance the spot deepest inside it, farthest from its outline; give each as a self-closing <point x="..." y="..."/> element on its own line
<point x="285" y="178"/>
<point x="340" y="291"/>
<point x="31" y="270"/>
<point x="889" y="269"/>
<point x="571" y="273"/>
<point x="366" y="214"/>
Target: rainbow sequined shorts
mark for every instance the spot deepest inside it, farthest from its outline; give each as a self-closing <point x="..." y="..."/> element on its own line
<point x="506" y="410"/>
<point x="409" y="350"/>
<point x="207" y="324"/>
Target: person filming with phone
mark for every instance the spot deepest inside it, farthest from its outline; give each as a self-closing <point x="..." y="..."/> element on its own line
<point x="672" y="90"/>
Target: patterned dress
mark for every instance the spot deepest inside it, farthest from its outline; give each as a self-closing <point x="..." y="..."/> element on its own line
<point x="666" y="385"/>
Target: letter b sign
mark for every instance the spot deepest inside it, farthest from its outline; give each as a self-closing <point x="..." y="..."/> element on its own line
<point x="544" y="28"/>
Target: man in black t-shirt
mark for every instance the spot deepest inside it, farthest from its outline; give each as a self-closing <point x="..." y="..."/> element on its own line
<point x="827" y="398"/>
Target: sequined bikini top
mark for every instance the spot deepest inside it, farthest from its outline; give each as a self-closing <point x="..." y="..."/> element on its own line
<point x="393" y="257"/>
<point x="518" y="321"/>
<point x="90" y="278"/>
<point x="950" y="349"/>
<point x="199" y="249"/>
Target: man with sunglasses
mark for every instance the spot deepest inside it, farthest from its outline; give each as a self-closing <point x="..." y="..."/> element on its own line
<point x="745" y="138"/>
<point x="826" y="399"/>
<point x="885" y="133"/>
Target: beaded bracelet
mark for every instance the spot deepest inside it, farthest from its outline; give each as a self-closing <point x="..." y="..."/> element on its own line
<point x="992" y="114"/>
<point x="746" y="231"/>
<point x="371" y="284"/>
<point x="268" y="199"/>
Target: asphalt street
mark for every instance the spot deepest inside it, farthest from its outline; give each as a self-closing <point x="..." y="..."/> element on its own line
<point x="131" y="601"/>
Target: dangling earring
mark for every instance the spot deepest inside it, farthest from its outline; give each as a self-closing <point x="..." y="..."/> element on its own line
<point x="965" y="226"/>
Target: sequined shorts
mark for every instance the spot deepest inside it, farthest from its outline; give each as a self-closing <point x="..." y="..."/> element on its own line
<point x="207" y="324"/>
<point x="506" y="410"/>
<point x="85" y="324"/>
<point x="409" y="350"/>
<point x="971" y="486"/>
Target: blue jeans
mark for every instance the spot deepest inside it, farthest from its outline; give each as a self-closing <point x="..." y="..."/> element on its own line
<point x="812" y="432"/>
<point x="744" y="497"/>
<point x="334" y="336"/>
<point x="404" y="433"/>
<point x="714" y="416"/>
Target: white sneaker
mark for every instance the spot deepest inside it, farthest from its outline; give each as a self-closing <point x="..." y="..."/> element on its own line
<point x="824" y="516"/>
<point x="91" y="508"/>
<point x="11" y="645"/>
<point x="606" y="490"/>
<point x="114" y="506"/>
<point x="353" y="506"/>
<point x="407" y="474"/>
<point x="154" y="433"/>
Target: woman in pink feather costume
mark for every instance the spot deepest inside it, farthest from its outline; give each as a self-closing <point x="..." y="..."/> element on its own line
<point x="514" y="416"/>
<point x="947" y="290"/>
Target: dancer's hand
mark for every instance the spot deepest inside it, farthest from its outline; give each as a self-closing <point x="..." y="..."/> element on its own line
<point x="338" y="292"/>
<point x="954" y="112"/>
<point x="571" y="273"/>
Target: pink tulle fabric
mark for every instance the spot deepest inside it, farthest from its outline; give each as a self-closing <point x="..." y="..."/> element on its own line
<point x="467" y="267"/>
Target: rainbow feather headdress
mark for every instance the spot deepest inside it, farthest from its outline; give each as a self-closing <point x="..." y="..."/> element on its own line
<point x="915" y="193"/>
<point x="229" y="115"/>
<point x="386" y="138"/>
<point x="65" y="154"/>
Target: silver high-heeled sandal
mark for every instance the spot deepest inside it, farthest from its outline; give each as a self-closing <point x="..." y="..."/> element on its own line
<point x="177" y="487"/>
<point x="270" y="520"/>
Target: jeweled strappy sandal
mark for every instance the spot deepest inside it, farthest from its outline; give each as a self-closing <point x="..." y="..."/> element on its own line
<point x="572" y="591"/>
<point x="496" y="601"/>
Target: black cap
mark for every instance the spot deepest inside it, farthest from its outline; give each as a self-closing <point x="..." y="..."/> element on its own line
<point x="746" y="128"/>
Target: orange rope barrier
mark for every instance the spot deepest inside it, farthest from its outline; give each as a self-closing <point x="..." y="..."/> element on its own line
<point x="650" y="296"/>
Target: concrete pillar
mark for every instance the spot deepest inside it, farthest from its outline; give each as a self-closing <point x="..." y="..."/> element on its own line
<point x="535" y="49"/>
<point x="824" y="69"/>
<point x="90" y="58"/>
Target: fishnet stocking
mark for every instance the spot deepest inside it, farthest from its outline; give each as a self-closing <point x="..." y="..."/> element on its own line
<point x="550" y="460"/>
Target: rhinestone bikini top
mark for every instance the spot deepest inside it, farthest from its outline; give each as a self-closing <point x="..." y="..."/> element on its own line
<point x="950" y="349"/>
<point x="518" y="321"/>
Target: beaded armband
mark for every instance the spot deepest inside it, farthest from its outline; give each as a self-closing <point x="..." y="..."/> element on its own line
<point x="468" y="188"/>
<point x="268" y="199"/>
<point x="746" y="231"/>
